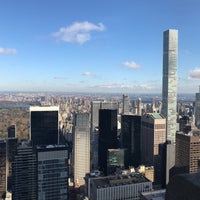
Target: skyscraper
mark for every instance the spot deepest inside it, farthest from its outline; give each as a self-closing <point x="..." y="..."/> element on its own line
<point x="40" y="172"/>
<point x="95" y="106"/>
<point x="125" y="104"/>
<point x="131" y="139"/>
<point x="169" y="94"/>
<point x="187" y="153"/>
<point x="52" y="172"/>
<point x="107" y="135"/>
<point x="81" y="151"/>
<point x="169" y="86"/>
<point x="197" y="109"/>
<point x="44" y="125"/>
<point x="153" y="133"/>
<point x="12" y="131"/>
<point x="8" y="148"/>
<point x="24" y="181"/>
<point x="12" y="144"/>
<point x="3" y="167"/>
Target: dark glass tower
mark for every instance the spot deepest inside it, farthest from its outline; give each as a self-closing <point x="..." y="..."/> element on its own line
<point x="107" y="135"/>
<point x="44" y="125"/>
<point x="12" y="131"/>
<point x="12" y="144"/>
<point x="24" y="181"/>
<point x="131" y="139"/>
<point x="52" y="172"/>
<point x="3" y="167"/>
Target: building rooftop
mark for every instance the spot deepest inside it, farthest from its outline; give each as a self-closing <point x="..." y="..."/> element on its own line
<point x="184" y="186"/>
<point x="154" y="195"/>
<point x="156" y="115"/>
<point x="110" y="181"/>
<point x="43" y="108"/>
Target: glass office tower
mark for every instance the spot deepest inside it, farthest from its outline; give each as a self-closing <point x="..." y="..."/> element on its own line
<point x="107" y="136"/>
<point x="52" y="172"/>
<point x="44" y="125"/>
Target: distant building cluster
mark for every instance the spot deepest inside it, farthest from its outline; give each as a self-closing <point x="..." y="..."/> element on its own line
<point x="106" y="148"/>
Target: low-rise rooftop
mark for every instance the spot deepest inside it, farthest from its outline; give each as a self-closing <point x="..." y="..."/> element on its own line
<point x="110" y="181"/>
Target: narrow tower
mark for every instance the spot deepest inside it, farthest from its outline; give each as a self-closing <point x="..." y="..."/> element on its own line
<point x="169" y="86"/>
<point x="197" y="109"/>
<point x="169" y="96"/>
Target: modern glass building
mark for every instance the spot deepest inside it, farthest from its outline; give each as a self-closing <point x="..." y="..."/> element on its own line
<point x="52" y="172"/>
<point x="107" y="136"/>
<point x="115" y="160"/>
<point x="44" y="125"/>
<point x="12" y="131"/>
<point x="3" y="167"/>
<point x="169" y="86"/>
<point x="24" y="174"/>
<point x="131" y="139"/>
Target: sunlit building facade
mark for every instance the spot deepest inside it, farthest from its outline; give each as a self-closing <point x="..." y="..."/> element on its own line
<point x="81" y="150"/>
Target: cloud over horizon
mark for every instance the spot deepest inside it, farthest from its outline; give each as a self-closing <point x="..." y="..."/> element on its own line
<point x="122" y="86"/>
<point x="194" y="74"/>
<point x="7" y="51"/>
<point x="78" y="32"/>
<point x="131" y="64"/>
<point x="87" y="74"/>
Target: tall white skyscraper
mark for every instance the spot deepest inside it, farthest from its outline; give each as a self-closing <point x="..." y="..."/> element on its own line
<point x="169" y="86"/>
<point x="81" y="151"/>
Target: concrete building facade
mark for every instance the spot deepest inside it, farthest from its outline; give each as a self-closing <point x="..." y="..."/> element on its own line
<point x="118" y="187"/>
<point x="153" y="133"/>
<point x="187" y="153"/>
<point x="169" y="85"/>
<point x="197" y="110"/>
<point x="81" y="150"/>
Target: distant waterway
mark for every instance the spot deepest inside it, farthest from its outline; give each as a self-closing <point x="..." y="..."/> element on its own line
<point x="8" y="104"/>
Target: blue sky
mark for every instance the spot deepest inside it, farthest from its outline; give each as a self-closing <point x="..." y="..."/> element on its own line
<point x="96" y="45"/>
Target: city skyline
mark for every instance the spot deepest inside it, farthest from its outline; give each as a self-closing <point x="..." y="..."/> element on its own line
<point x="92" y="46"/>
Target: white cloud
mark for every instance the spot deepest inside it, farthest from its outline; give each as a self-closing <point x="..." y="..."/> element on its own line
<point x="78" y="32"/>
<point x="7" y="51"/>
<point x="131" y="64"/>
<point x="59" y="77"/>
<point x="194" y="74"/>
<point x="88" y="74"/>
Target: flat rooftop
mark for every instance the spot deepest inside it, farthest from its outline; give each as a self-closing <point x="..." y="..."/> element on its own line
<point x="156" y="115"/>
<point x="110" y="181"/>
<point x="154" y="195"/>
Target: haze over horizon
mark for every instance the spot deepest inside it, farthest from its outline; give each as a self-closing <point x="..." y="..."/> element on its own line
<point x="102" y="46"/>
